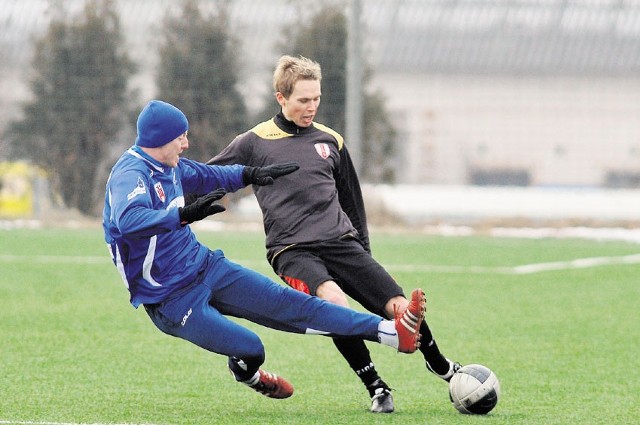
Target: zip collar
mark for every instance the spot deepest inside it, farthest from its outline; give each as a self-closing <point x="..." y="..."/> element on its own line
<point x="137" y="152"/>
<point x="289" y="126"/>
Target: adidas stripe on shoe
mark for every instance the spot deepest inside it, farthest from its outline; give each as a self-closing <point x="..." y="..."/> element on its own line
<point x="270" y="385"/>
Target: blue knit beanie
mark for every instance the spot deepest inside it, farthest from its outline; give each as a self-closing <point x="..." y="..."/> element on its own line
<point x="159" y="123"/>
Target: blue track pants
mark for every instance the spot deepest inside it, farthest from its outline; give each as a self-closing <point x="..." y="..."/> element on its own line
<point x="197" y="313"/>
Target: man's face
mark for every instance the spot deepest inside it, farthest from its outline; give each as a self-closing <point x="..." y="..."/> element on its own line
<point x="301" y="107"/>
<point x="169" y="154"/>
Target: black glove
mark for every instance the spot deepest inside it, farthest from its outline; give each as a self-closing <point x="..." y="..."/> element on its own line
<point x="202" y="207"/>
<point x="190" y="198"/>
<point x="263" y="176"/>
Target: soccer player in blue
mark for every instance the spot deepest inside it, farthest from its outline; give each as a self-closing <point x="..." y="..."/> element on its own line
<point x="188" y="289"/>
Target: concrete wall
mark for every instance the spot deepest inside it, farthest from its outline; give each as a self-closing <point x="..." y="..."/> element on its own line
<point x="562" y="131"/>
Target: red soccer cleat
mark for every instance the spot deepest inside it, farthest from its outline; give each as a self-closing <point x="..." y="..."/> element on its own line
<point x="272" y="385"/>
<point x="408" y="322"/>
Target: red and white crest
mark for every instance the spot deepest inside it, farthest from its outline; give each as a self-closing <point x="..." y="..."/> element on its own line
<point x="160" y="191"/>
<point x="323" y="150"/>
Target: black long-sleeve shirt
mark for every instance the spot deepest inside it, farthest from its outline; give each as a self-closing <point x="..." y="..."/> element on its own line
<point x="320" y="201"/>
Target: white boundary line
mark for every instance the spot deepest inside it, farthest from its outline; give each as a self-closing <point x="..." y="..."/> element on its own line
<point x="56" y="259"/>
<point x="579" y="263"/>
<point x="6" y="422"/>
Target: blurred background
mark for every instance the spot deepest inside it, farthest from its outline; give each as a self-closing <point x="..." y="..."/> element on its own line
<point x="515" y="110"/>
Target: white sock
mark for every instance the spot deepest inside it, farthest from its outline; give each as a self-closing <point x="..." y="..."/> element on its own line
<point x="387" y="333"/>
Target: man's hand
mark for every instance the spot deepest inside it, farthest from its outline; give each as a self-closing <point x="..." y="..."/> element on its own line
<point x="202" y="207"/>
<point x="263" y="176"/>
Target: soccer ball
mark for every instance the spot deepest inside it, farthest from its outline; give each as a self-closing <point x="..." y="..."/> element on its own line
<point x="474" y="389"/>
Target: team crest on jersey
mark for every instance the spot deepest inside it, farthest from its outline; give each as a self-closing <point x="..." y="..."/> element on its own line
<point x="160" y="191"/>
<point x="323" y="150"/>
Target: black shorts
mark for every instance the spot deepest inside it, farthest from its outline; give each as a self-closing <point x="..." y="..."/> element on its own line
<point x="305" y="266"/>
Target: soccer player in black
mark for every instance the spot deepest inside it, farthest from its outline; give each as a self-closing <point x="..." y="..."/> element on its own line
<point x="315" y="223"/>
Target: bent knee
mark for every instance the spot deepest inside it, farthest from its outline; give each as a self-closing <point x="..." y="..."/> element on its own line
<point x="331" y="292"/>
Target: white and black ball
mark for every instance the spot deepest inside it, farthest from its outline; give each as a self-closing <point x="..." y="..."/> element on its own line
<point x="474" y="389"/>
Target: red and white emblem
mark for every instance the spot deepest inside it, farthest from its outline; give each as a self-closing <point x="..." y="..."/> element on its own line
<point x="160" y="191"/>
<point x="323" y="150"/>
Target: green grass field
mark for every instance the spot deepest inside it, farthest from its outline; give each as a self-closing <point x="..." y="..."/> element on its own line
<point x="564" y="342"/>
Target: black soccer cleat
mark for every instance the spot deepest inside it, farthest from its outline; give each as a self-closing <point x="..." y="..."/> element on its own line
<point x="453" y="368"/>
<point x="381" y="397"/>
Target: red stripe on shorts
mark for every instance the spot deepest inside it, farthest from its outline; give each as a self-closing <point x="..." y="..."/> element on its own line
<point x="296" y="284"/>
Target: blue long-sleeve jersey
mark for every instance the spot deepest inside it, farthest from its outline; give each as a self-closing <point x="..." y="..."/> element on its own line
<point x="153" y="252"/>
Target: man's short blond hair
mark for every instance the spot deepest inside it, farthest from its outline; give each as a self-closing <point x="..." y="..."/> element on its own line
<point x="290" y="70"/>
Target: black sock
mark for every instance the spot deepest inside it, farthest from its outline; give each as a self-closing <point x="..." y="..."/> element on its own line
<point x="357" y="355"/>
<point x="431" y="352"/>
<point x="244" y="369"/>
